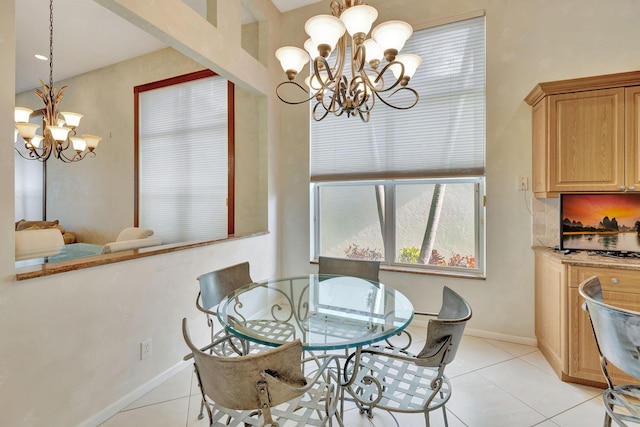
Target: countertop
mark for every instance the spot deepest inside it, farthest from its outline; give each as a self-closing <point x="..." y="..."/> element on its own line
<point x="589" y="259"/>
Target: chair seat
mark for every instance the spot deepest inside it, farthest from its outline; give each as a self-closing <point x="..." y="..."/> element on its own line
<point x="232" y="346"/>
<point x="301" y="411"/>
<point x="272" y="329"/>
<point x="406" y="387"/>
<point x="334" y="326"/>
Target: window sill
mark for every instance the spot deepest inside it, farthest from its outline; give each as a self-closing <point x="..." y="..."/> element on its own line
<point x="440" y="273"/>
<point x="41" y="270"/>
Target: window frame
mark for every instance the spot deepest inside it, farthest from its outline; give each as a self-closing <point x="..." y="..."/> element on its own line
<point x="389" y="261"/>
<point x="230" y="139"/>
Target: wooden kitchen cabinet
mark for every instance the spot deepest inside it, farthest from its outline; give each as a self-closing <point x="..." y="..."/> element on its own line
<point x="585" y="135"/>
<point x="620" y="288"/>
<point x="550" y="311"/>
<point x="632" y="135"/>
<point x="563" y="328"/>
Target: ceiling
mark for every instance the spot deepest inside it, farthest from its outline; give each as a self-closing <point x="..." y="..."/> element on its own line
<point x="285" y="5"/>
<point x="86" y="37"/>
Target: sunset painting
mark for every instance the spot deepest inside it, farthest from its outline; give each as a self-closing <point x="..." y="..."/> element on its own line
<point x="600" y="222"/>
<point x="590" y="209"/>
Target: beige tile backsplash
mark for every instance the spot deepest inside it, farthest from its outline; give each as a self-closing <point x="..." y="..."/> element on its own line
<point x="545" y="222"/>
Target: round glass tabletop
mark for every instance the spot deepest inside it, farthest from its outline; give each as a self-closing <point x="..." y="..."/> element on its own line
<point x="325" y="312"/>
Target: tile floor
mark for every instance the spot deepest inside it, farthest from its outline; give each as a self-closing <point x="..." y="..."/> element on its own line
<point x="494" y="384"/>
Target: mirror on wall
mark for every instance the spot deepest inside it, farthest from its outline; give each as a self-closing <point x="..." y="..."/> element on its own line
<point x="94" y="198"/>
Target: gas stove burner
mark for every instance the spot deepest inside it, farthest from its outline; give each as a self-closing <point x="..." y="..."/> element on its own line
<point x="619" y="254"/>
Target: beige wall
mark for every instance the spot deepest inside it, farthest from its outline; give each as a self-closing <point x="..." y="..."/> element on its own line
<point x="7" y="89"/>
<point x="71" y="340"/>
<point x="69" y="353"/>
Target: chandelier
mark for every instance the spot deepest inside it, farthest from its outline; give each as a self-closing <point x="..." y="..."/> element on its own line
<point x="334" y="88"/>
<point x="59" y="127"/>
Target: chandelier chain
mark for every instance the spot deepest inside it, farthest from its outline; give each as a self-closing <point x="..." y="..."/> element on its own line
<point x="50" y="45"/>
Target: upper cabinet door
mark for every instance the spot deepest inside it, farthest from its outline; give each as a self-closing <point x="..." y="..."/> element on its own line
<point x="586" y="134"/>
<point x="586" y="145"/>
<point x="632" y="133"/>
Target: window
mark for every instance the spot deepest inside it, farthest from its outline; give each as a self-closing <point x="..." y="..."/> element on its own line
<point x="29" y="189"/>
<point x="407" y="188"/>
<point x="184" y="152"/>
<point x="30" y="179"/>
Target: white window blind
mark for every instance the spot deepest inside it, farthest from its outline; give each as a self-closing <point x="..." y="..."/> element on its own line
<point x="29" y="181"/>
<point x="442" y="136"/>
<point x="183" y="160"/>
<point x="29" y="188"/>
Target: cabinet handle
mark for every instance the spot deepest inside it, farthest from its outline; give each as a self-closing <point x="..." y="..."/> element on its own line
<point x="622" y="188"/>
<point x="615" y="281"/>
<point x="632" y="188"/>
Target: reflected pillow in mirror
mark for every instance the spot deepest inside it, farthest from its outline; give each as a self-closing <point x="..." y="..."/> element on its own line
<point x="125" y="245"/>
<point x="133" y="233"/>
<point x="23" y="224"/>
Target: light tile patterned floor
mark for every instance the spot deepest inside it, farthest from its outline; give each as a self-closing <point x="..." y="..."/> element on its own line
<point x="494" y="384"/>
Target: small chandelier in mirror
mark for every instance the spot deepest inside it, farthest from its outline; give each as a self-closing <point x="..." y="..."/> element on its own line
<point x="59" y="127"/>
<point x="378" y="72"/>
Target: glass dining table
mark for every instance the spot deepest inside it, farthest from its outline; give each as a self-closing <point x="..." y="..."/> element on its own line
<point x="326" y="312"/>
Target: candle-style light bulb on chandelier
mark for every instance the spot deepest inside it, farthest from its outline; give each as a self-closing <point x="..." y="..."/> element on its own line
<point x="378" y="72"/>
<point x="59" y="127"/>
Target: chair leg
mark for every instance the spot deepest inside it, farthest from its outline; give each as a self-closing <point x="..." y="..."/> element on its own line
<point x="608" y="407"/>
<point x="427" y="423"/>
<point x="201" y="414"/>
<point x="444" y="416"/>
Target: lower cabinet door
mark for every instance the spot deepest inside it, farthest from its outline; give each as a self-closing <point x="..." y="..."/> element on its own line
<point x="584" y="361"/>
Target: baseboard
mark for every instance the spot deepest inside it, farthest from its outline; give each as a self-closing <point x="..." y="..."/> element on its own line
<point x="490" y="335"/>
<point x="134" y="395"/>
<point x="501" y="337"/>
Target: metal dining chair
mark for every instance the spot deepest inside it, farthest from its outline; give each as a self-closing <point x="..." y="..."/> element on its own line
<point x="617" y="334"/>
<point x="265" y="389"/>
<point x="214" y="287"/>
<point x="395" y="380"/>
<point x="363" y="269"/>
